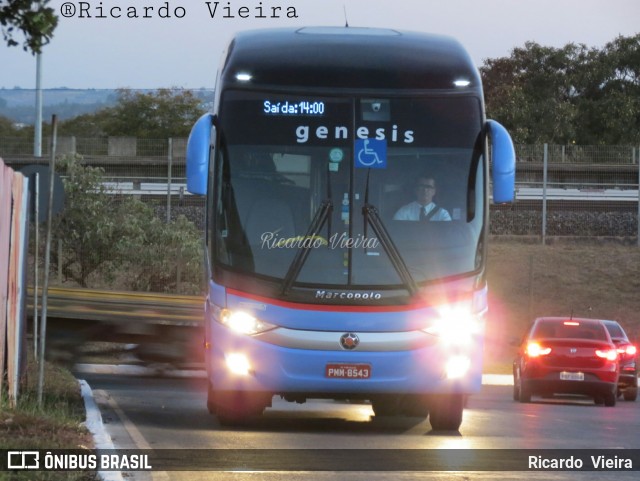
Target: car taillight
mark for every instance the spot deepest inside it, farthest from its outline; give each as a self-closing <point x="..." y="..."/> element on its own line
<point x="535" y="350"/>
<point x="629" y="350"/>
<point x="609" y="354"/>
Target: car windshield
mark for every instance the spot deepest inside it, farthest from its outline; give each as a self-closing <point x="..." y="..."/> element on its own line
<point x="549" y="329"/>
<point x="328" y="173"/>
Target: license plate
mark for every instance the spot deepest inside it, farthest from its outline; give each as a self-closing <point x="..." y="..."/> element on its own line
<point x="572" y="376"/>
<point x="348" y="371"/>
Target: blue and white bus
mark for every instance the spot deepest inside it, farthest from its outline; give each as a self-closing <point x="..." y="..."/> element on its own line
<point x="317" y="288"/>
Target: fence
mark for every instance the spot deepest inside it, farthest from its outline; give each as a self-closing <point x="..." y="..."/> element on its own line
<point x="561" y="191"/>
<point x="573" y="191"/>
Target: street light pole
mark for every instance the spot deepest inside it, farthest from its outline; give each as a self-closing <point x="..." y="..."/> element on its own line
<point x="37" y="140"/>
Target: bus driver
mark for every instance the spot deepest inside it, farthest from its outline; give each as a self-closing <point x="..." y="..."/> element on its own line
<point x="423" y="208"/>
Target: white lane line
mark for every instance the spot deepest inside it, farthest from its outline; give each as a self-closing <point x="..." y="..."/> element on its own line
<point x="138" y="439"/>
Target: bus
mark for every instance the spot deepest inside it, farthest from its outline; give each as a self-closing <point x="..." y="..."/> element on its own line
<point x="316" y="287"/>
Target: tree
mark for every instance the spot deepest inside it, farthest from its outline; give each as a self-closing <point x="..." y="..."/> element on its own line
<point x="111" y="239"/>
<point x="90" y="225"/>
<point x="158" y="115"/>
<point x="572" y="94"/>
<point x="532" y="92"/>
<point x="609" y="106"/>
<point x="155" y="115"/>
<point x="7" y="128"/>
<point x="162" y="257"/>
<point x="33" y="18"/>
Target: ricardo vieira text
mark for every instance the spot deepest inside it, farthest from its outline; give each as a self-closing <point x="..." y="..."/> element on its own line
<point x="172" y="10"/>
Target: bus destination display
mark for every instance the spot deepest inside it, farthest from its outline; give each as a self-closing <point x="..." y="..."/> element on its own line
<point x="300" y="107"/>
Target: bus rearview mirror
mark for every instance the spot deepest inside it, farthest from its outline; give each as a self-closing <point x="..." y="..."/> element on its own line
<point x="504" y="163"/>
<point x="198" y="153"/>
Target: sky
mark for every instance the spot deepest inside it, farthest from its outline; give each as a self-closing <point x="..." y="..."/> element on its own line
<point x="149" y="53"/>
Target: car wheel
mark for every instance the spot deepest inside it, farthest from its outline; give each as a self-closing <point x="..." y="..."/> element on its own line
<point x="525" y="392"/>
<point x="610" y="399"/>
<point x="630" y="394"/>
<point x="598" y="399"/>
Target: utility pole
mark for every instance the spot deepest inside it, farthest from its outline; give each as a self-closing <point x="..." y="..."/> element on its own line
<point x="37" y="139"/>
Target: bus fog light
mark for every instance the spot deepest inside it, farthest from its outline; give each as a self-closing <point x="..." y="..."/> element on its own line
<point x="238" y="364"/>
<point x="457" y="367"/>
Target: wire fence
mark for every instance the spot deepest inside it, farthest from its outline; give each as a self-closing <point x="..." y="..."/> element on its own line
<point x="562" y="192"/>
<point x="573" y="192"/>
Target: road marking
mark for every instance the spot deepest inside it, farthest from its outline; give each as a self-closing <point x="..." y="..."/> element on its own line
<point x="135" y="434"/>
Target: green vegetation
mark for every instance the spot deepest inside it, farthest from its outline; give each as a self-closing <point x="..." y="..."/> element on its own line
<point x="33" y="18"/>
<point x="568" y="95"/>
<point x="56" y="424"/>
<point x="156" y="114"/>
<point x="119" y="242"/>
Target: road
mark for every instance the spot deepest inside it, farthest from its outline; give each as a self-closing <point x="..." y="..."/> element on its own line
<point x="170" y="413"/>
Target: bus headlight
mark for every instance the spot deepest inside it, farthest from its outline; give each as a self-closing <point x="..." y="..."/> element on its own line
<point x="243" y="323"/>
<point x="455" y="326"/>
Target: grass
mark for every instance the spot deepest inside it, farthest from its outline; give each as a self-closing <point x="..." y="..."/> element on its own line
<point x="56" y="424"/>
<point x="526" y="280"/>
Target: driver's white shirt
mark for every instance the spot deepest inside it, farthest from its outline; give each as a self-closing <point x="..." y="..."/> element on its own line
<point x="412" y="212"/>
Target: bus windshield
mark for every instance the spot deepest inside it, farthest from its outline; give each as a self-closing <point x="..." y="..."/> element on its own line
<point x="286" y="162"/>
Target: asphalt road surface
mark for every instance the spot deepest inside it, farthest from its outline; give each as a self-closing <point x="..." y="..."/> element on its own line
<point x="170" y="413"/>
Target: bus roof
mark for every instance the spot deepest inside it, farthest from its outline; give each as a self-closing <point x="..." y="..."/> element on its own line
<point x="347" y="58"/>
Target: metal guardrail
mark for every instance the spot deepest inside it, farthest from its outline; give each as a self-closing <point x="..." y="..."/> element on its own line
<point x="120" y="307"/>
<point x="600" y="195"/>
<point x="145" y="188"/>
<point x="164" y="328"/>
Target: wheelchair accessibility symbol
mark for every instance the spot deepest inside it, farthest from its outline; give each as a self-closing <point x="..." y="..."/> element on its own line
<point x="371" y="154"/>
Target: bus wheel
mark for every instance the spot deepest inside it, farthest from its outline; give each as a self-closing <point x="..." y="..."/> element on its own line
<point x="445" y="412"/>
<point x="236" y="407"/>
<point x="386" y="405"/>
<point x="211" y="406"/>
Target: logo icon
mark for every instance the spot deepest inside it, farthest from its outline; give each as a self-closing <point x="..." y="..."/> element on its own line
<point x="23" y="460"/>
<point x="573" y="350"/>
<point x="371" y="154"/>
<point x="349" y="341"/>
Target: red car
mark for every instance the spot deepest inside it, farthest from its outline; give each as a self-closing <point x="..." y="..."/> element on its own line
<point x="627" y="355"/>
<point x="561" y="355"/>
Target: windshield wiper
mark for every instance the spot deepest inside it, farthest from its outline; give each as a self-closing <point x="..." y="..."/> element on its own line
<point x="371" y="216"/>
<point x="322" y="214"/>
